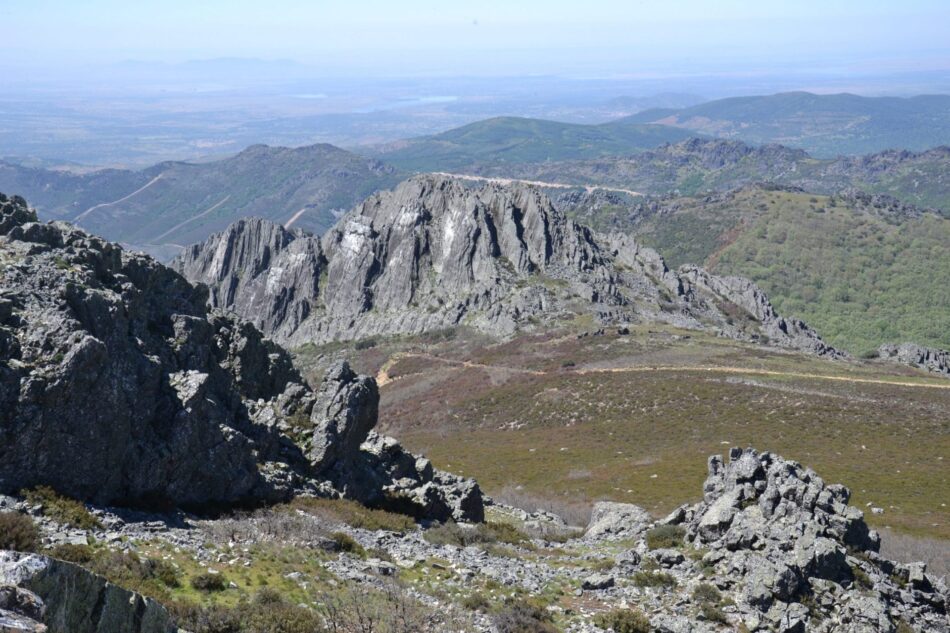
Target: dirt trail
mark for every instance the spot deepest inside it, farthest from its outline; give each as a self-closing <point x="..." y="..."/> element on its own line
<point x="192" y="219"/>
<point x="383" y="378"/>
<point x="123" y="199"/>
<point x="537" y="183"/>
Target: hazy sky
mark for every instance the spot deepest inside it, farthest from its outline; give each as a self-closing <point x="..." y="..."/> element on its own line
<point x="486" y="37"/>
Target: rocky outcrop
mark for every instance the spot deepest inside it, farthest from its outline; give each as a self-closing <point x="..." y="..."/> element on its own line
<point x="929" y="358"/>
<point x="43" y="594"/>
<point x="118" y="385"/>
<point x="436" y="253"/>
<point x="792" y="554"/>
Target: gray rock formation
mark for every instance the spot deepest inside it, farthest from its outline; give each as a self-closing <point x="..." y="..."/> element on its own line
<point x="43" y="594"/>
<point x="436" y="253"/>
<point x="779" y="536"/>
<point x="119" y="386"/>
<point x="929" y="358"/>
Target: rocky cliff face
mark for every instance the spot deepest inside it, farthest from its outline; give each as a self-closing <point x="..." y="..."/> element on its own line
<point x="436" y="253"/>
<point x="119" y="386"/>
<point x="929" y="358"/>
<point x="40" y="594"/>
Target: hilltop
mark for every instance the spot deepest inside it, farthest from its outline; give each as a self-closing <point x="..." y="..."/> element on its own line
<point x="513" y="140"/>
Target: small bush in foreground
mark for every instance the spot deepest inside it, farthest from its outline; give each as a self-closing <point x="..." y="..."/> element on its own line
<point x="18" y="532"/>
<point x="354" y="514"/>
<point x="704" y="592"/>
<point x="666" y="536"/>
<point x="209" y="582"/>
<point x="348" y="544"/>
<point x="654" y="579"/>
<point x="268" y="612"/>
<point x="523" y="616"/>
<point x="624" y="621"/>
<point x="61" y="509"/>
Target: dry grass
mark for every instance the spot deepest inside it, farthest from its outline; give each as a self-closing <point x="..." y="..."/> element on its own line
<point x="644" y="437"/>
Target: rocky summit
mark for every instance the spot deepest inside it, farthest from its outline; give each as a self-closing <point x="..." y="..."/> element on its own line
<point x="436" y="253"/>
<point x="119" y="386"/>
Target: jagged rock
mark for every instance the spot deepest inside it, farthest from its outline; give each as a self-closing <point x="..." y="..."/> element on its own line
<point x="119" y="386"/>
<point x="610" y="520"/>
<point x="929" y="358"/>
<point x="436" y="252"/>
<point x="48" y="594"/>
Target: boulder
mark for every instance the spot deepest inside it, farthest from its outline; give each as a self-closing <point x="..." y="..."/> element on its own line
<point x="65" y="598"/>
<point x="615" y="521"/>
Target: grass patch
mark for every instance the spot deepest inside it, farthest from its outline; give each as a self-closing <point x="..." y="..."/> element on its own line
<point x="61" y="509"/>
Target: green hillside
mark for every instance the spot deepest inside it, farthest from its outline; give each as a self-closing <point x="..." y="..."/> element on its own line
<point x="181" y="203"/>
<point x="860" y="274"/>
<point x="825" y="125"/>
<point x="512" y="140"/>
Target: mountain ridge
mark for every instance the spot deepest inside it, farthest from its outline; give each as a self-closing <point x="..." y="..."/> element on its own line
<point x="435" y="253"/>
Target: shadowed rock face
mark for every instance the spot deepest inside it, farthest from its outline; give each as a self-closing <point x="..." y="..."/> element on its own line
<point x="119" y="386"/>
<point x="435" y="253"/>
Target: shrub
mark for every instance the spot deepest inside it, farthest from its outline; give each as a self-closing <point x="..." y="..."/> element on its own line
<point x="713" y="613"/>
<point x="654" y="579"/>
<point x="476" y="601"/>
<point x="523" y="616"/>
<point x="366" y="343"/>
<point x="666" y="536"/>
<point x="209" y="582"/>
<point x="79" y="554"/>
<point x="268" y="612"/>
<point x="704" y="592"/>
<point x="861" y="577"/>
<point x="61" y="509"/>
<point x="451" y="533"/>
<point x="18" y="532"/>
<point x="624" y="621"/>
<point x="354" y="514"/>
<point x="348" y="544"/>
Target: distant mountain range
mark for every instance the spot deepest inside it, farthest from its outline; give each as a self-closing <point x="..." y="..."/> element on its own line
<point x="825" y="125"/>
<point x="700" y="165"/>
<point x="511" y="140"/>
<point x="179" y="203"/>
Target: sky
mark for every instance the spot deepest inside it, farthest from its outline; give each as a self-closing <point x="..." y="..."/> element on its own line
<point x="488" y="37"/>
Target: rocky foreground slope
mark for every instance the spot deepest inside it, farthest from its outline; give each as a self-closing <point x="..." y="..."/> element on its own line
<point x="435" y="253"/>
<point x="770" y="547"/>
<point x="118" y="385"/>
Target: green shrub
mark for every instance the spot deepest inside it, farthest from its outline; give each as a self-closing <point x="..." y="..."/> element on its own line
<point x="18" y="532"/>
<point x="61" y="509"/>
<point x="861" y="578"/>
<point x="268" y="612"/>
<point x="79" y="554"/>
<point x="354" y="514"/>
<point x="654" y="579"/>
<point x="451" y="533"/>
<point x="713" y="613"/>
<point x="348" y="544"/>
<point x="476" y="601"/>
<point x="666" y="536"/>
<point x="624" y="621"/>
<point x="704" y="592"/>
<point x="209" y="582"/>
<point x="523" y="616"/>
